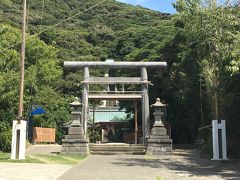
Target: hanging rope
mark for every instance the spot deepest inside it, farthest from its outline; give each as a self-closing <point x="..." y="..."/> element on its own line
<point x="205" y="127"/>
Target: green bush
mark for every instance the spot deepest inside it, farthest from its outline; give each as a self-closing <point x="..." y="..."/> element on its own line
<point x="5" y="140"/>
<point x="206" y="148"/>
<point x="94" y="134"/>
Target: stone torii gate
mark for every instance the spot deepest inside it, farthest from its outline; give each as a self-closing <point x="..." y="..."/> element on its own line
<point x="110" y="64"/>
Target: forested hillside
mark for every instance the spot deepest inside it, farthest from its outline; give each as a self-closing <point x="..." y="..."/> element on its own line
<point x="108" y="30"/>
<point x="92" y="35"/>
<point x="198" y="43"/>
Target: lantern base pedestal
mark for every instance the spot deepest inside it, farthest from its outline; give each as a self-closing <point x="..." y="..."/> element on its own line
<point x="159" y="144"/>
<point x="75" y="142"/>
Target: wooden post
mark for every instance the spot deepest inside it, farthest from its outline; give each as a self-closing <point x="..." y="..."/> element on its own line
<point x="94" y="122"/>
<point x="216" y="100"/>
<point x="136" y="124"/>
<point x="18" y="146"/>
<point x="22" y="61"/>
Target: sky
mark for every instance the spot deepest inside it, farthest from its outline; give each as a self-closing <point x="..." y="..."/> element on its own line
<point x="158" y="5"/>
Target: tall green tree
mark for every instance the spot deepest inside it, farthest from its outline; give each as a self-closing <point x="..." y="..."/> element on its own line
<point x="42" y="76"/>
<point x="213" y="29"/>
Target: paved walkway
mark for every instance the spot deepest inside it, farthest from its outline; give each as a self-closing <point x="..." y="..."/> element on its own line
<point x="34" y="171"/>
<point x="181" y="166"/>
<point x="31" y="171"/>
<point x="43" y="149"/>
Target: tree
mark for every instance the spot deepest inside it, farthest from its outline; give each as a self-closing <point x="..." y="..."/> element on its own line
<point x="212" y="29"/>
<point x="43" y="73"/>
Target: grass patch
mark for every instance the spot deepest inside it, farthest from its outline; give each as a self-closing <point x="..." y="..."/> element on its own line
<point x="159" y="178"/>
<point x="58" y="159"/>
<point x="44" y="158"/>
<point x="149" y="157"/>
<point x="6" y="157"/>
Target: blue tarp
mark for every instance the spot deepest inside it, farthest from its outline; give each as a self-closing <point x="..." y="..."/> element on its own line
<point x="38" y="110"/>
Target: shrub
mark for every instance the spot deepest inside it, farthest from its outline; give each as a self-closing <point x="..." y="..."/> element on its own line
<point x="5" y="139"/>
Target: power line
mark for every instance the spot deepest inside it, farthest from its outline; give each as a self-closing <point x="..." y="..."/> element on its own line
<point x="55" y="25"/>
<point x="27" y="18"/>
<point x="68" y="18"/>
<point x="43" y="5"/>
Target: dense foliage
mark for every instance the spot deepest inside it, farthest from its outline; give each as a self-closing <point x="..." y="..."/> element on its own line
<point x="200" y="45"/>
<point x="212" y="38"/>
<point x="42" y="79"/>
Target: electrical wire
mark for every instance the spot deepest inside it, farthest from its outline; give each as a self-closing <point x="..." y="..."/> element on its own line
<point x="69" y="18"/>
<point x="43" y="5"/>
<point x="57" y="24"/>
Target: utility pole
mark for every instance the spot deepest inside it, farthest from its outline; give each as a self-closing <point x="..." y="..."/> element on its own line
<point x="20" y="125"/>
<point x="22" y="61"/>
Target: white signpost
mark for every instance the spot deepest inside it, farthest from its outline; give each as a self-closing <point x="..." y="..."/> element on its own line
<point x="18" y="140"/>
<point x="219" y="140"/>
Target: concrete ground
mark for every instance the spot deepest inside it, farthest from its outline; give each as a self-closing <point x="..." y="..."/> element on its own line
<point x="182" y="165"/>
<point x="34" y="171"/>
<point x="31" y="171"/>
<point x="43" y="149"/>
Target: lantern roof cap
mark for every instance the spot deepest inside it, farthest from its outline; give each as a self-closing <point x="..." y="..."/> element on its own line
<point x="76" y="102"/>
<point x="158" y="103"/>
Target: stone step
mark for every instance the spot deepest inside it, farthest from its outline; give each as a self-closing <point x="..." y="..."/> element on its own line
<point x="117" y="144"/>
<point x="111" y="149"/>
<point x="118" y="150"/>
<point x="116" y="153"/>
<point x="115" y="149"/>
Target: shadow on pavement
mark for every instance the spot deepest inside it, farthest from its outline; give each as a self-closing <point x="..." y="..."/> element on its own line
<point x="187" y="163"/>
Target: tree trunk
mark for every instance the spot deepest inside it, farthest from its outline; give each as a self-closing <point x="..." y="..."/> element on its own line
<point x="216" y="100"/>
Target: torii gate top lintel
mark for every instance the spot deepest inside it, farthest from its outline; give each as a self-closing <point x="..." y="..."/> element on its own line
<point x="113" y="64"/>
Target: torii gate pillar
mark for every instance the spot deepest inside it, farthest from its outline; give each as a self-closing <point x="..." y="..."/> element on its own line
<point x="85" y="99"/>
<point x="145" y="105"/>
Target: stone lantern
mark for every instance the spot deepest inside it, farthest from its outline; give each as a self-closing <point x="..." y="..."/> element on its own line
<point x="75" y="142"/>
<point x="76" y="112"/>
<point x="159" y="143"/>
<point x="159" y="111"/>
